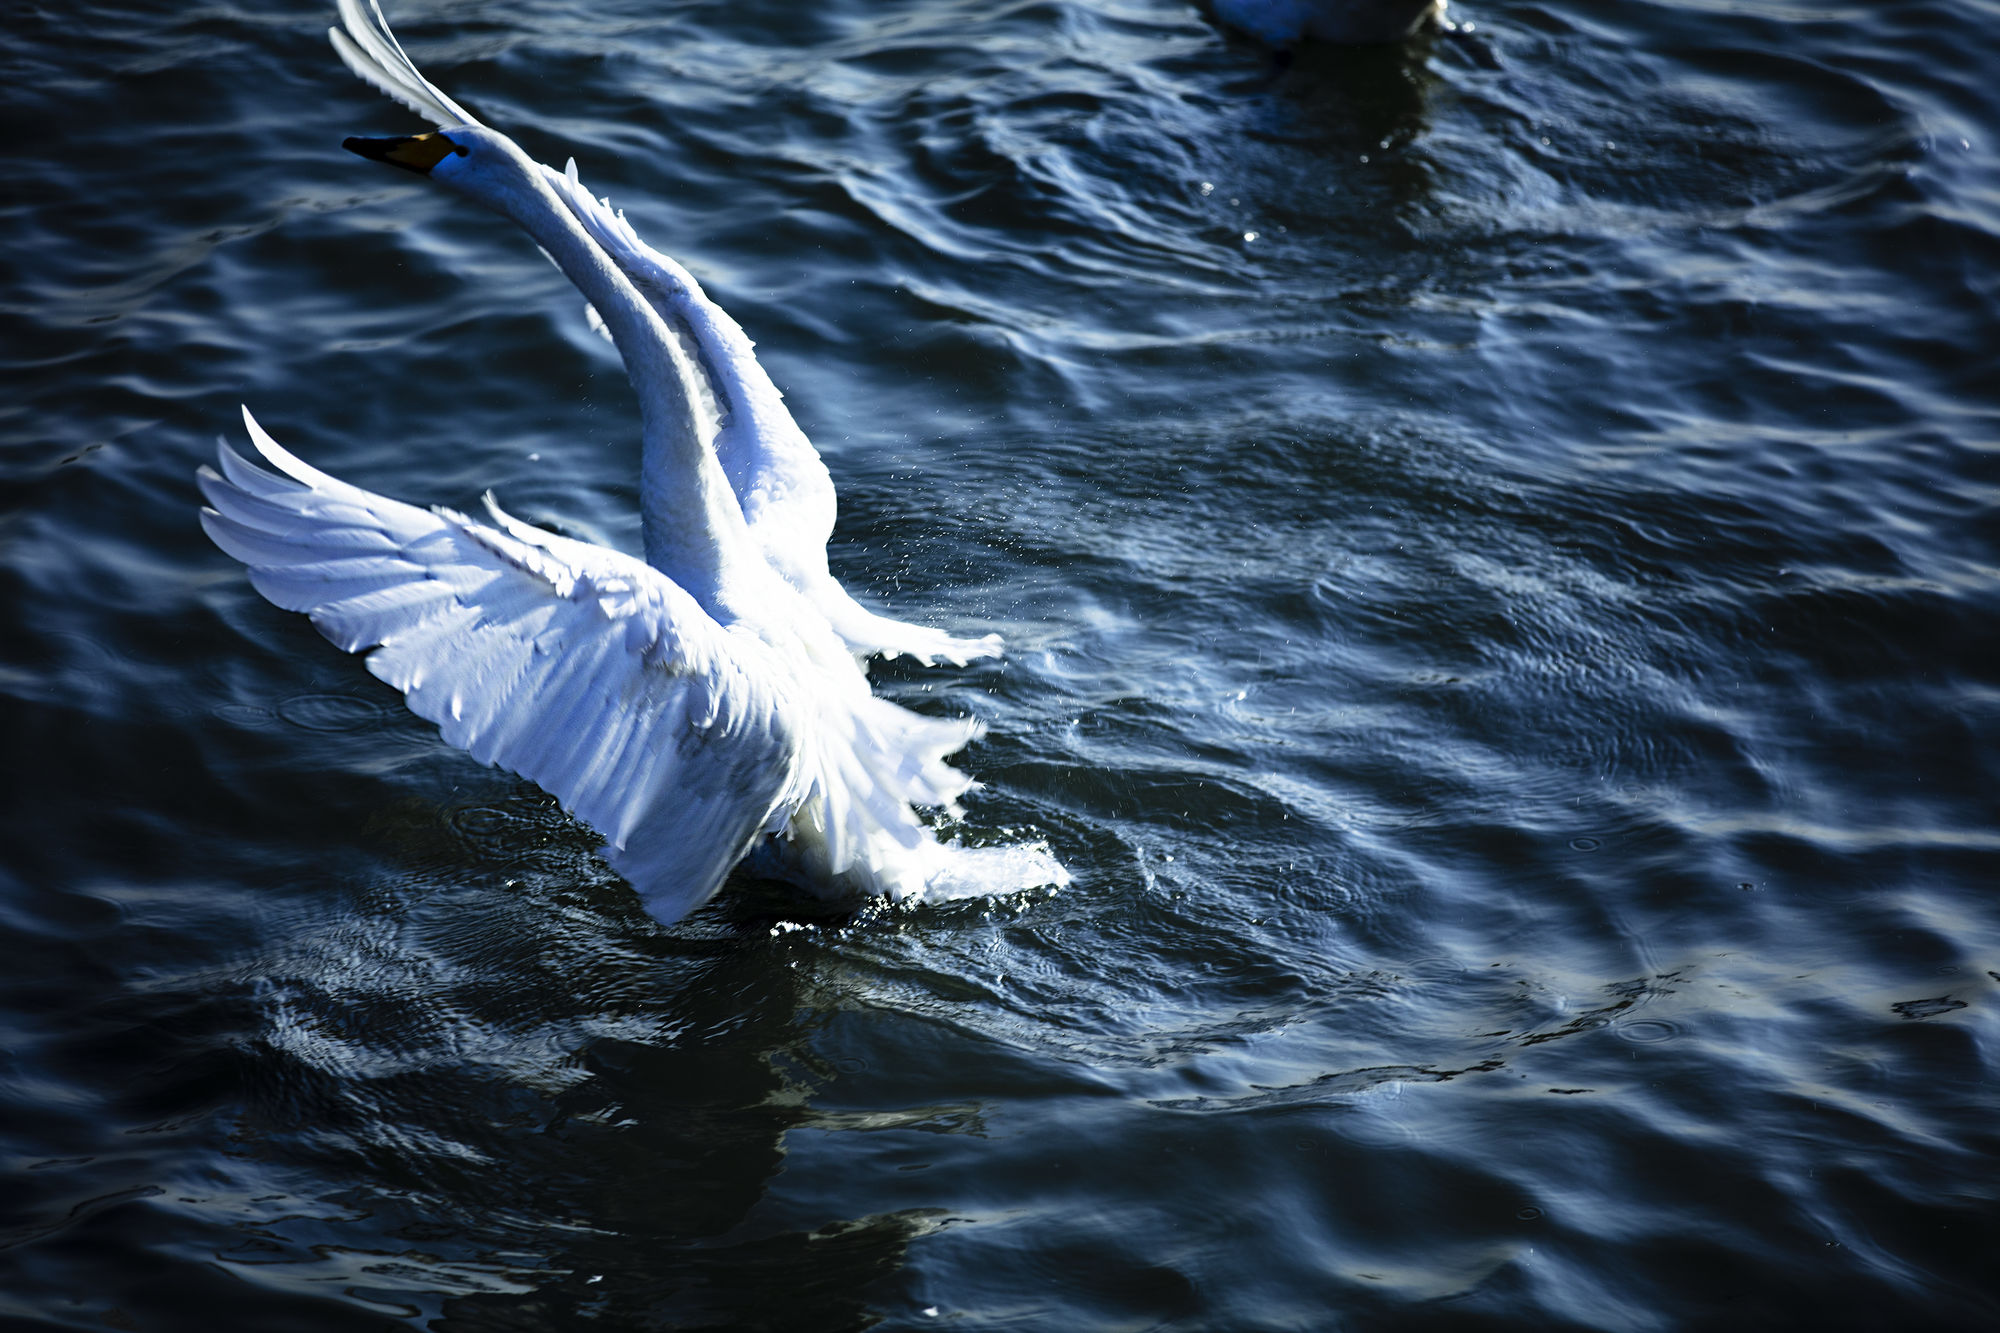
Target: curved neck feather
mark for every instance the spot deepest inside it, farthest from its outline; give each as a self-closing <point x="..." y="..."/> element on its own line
<point x="692" y="525"/>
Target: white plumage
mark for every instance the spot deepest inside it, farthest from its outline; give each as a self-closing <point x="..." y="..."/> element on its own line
<point x="781" y="485"/>
<point x="691" y="707"/>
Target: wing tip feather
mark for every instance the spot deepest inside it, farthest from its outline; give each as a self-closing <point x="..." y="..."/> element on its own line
<point x="369" y="49"/>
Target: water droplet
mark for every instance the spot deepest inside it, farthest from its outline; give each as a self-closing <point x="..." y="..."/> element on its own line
<point x="1249" y="235"/>
<point x="1208" y="187"/>
<point x="1529" y="1213"/>
<point x="1364" y="157"/>
<point x="1585" y="844"/>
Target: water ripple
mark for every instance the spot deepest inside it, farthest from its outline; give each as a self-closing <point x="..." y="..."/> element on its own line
<point x="1494" y="537"/>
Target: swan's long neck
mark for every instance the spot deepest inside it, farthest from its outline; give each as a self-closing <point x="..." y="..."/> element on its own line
<point x="691" y="522"/>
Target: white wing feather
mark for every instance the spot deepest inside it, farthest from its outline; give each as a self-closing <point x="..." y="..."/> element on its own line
<point x="681" y="741"/>
<point x="578" y="667"/>
<point x="376" y="57"/>
<point x="779" y="478"/>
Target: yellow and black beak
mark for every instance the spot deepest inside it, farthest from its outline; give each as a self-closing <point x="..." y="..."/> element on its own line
<point x="412" y="152"/>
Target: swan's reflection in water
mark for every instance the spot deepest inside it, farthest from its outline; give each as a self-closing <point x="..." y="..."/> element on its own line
<point x="561" y="1110"/>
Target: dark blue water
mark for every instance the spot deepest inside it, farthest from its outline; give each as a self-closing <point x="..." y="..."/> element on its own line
<point x="1499" y="542"/>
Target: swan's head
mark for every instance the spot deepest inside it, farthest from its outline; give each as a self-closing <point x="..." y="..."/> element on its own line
<point x="470" y="158"/>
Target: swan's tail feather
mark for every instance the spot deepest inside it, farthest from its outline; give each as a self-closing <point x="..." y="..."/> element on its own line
<point x="858" y="833"/>
<point x="371" y="50"/>
<point x="907" y="750"/>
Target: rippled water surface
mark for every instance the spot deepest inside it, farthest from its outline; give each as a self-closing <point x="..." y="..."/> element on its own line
<point x="1497" y="541"/>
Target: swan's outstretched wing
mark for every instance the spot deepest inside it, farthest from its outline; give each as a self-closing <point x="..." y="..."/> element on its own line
<point x="782" y="485"/>
<point x="779" y="479"/>
<point x="578" y="667"/>
<point x="374" y="54"/>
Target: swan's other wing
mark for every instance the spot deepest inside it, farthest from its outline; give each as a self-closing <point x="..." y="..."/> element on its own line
<point x="780" y="482"/>
<point x="372" y="52"/>
<point x="578" y="667"/>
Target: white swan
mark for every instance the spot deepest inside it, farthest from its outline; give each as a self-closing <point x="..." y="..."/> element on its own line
<point x="691" y="707"/>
